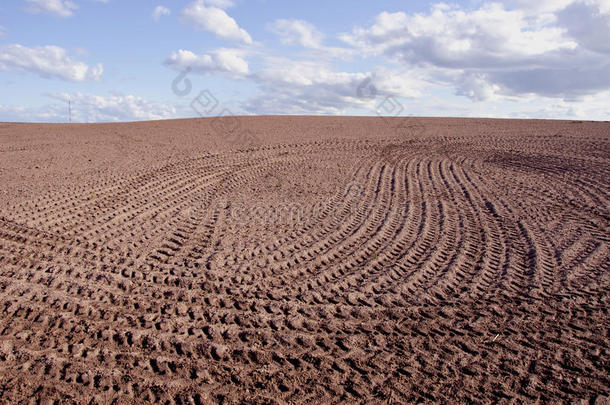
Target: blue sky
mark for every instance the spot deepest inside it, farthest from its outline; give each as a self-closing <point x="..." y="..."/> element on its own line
<point x="117" y="60"/>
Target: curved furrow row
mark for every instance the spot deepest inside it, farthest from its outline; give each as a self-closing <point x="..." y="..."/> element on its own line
<point x="483" y="247"/>
<point x="165" y="251"/>
<point x="94" y="202"/>
<point x="450" y="240"/>
<point x="533" y="256"/>
<point x="537" y="255"/>
<point x="236" y="180"/>
<point x="589" y="265"/>
<point x="354" y="268"/>
<point x="324" y="237"/>
<point x="411" y="260"/>
<point x="460" y="269"/>
<point x="109" y="197"/>
<point x="546" y="255"/>
<point x="280" y="248"/>
<point x="315" y="227"/>
<point x="383" y="274"/>
<point x="336" y="240"/>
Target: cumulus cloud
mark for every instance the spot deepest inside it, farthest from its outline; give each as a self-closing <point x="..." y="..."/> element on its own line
<point x="91" y="108"/>
<point x="47" y="61"/>
<point x="310" y="87"/>
<point x="59" y="8"/>
<point x="588" y="22"/>
<point x="209" y="17"/>
<point x="303" y="88"/>
<point x="222" y="60"/>
<point x="117" y="107"/>
<point x="306" y="35"/>
<point x="297" y="32"/>
<point x="496" y="50"/>
<point x="307" y="73"/>
<point x="160" y="11"/>
<point x="476" y="87"/>
<point x="556" y="82"/>
<point x="450" y="37"/>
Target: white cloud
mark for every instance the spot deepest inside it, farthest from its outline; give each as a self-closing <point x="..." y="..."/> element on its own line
<point x="590" y="108"/>
<point x="497" y="51"/>
<point x="2" y="31"/>
<point x="215" y="20"/>
<point x="408" y="83"/>
<point x="567" y="82"/>
<point x="303" y="88"/>
<point x="297" y="32"/>
<point x="305" y="34"/>
<point x="118" y="107"/>
<point x="309" y="87"/>
<point x="602" y="5"/>
<point x="91" y="108"/>
<point x="218" y="61"/>
<point x="60" y="8"/>
<point x="47" y="61"/>
<point x="160" y="11"/>
<point x="476" y="87"/>
<point x="588" y="22"/>
<point x="448" y="36"/>
<point x="306" y="73"/>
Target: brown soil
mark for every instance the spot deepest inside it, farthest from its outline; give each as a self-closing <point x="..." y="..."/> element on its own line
<point x="305" y="259"/>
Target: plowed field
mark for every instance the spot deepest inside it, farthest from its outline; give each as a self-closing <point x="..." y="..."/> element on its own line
<point x="302" y="259"/>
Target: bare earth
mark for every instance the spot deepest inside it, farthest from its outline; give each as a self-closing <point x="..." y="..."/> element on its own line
<point x="302" y="259"/>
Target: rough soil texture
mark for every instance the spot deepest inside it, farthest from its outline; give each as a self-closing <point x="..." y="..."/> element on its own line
<point x="302" y="259"/>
